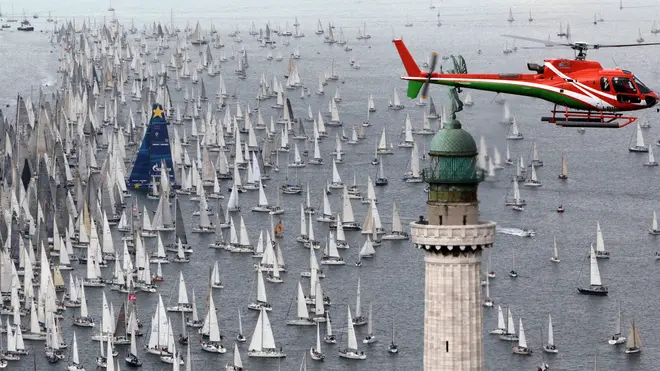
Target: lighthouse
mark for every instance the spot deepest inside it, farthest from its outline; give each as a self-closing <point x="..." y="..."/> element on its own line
<point x="453" y="240"/>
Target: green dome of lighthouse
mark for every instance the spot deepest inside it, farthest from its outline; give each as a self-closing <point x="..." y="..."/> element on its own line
<point x="453" y="141"/>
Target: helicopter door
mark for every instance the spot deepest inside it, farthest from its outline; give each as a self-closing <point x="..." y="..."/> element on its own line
<point x="626" y="92"/>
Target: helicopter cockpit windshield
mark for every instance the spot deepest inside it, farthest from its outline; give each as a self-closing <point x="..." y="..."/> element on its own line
<point x="641" y="87"/>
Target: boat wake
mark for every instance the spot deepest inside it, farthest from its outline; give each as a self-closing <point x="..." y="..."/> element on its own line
<point x="516" y="231"/>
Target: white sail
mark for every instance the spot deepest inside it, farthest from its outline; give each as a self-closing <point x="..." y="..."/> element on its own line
<point x="183" y="294"/>
<point x="595" y="272"/>
<point x="214" y="328"/>
<point x="261" y="288"/>
<point x="347" y="211"/>
<point x="352" y="340"/>
<point x="522" y="340"/>
<point x="551" y="337"/>
<point x="262" y="338"/>
<point x="500" y="318"/>
<point x="301" y="304"/>
<point x="600" y="244"/>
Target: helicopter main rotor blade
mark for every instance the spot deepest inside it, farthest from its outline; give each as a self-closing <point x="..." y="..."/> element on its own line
<point x="599" y="46"/>
<point x="547" y="42"/>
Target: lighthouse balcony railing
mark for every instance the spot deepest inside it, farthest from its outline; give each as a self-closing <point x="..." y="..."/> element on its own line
<point x="481" y="234"/>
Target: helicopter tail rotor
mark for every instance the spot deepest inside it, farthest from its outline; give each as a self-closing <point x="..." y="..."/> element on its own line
<point x="425" y="87"/>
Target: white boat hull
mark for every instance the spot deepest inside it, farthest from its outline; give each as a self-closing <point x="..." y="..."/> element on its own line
<point x="549" y="349"/>
<point x="180" y="308"/>
<point x="617" y="341"/>
<point x="266" y="353"/>
<point x="350" y="354"/>
<point x="214" y="348"/>
<point x="301" y="322"/>
<point x="396" y="236"/>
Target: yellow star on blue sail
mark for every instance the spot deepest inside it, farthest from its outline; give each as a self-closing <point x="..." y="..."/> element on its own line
<point x="158" y="112"/>
<point x="137" y="185"/>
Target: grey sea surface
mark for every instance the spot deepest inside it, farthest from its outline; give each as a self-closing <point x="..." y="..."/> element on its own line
<point x="606" y="182"/>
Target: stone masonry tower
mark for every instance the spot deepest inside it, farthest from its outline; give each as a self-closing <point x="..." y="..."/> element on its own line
<point x="453" y="239"/>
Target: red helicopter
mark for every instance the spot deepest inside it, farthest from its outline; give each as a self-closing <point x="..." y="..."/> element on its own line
<point x="584" y="94"/>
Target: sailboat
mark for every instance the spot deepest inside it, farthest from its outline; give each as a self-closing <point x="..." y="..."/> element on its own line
<point x="132" y="359"/>
<point x="533" y="181"/>
<point x="522" y="341"/>
<point x="262" y="300"/>
<point x="370" y="338"/>
<point x="510" y="332"/>
<point x="617" y="338"/>
<point x="213" y="344"/>
<point x="550" y="347"/>
<point x="383" y="148"/>
<point x="237" y="364"/>
<point x="600" y="244"/>
<point x="564" y="167"/>
<point x="638" y="140"/>
<point x="508" y="160"/>
<point x="501" y="326"/>
<point x="654" y="225"/>
<point x="536" y="161"/>
<point x="651" y="161"/>
<point x="154" y="150"/>
<point x="514" y="133"/>
<point x="555" y="254"/>
<point x="302" y="315"/>
<point x="516" y="200"/>
<point x="331" y="254"/>
<point x="488" y="302"/>
<point x="510" y="18"/>
<point x="395" y="101"/>
<point x="414" y="175"/>
<point x="634" y="344"/>
<point x="262" y="344"/>
<point x="595" y="285"/>
<point x="315" y="352"/>
<point x="329" y="337"/>
<point x="351" y="351"/>
<point x="75" y="359"/>
<point x="397" y="229"/>
<point x="393" y="348"/>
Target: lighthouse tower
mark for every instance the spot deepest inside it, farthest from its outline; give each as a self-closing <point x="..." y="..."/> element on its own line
<point x="453" y="239"/>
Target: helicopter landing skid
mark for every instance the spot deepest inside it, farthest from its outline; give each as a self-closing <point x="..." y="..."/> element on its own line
<point x="588" y="119"/>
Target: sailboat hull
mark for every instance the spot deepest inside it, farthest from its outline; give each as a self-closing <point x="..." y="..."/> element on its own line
<point x="266" y="353"/>
<point x="522" y="350"/>
<point x="350" y="354"/>
<point x="313" y="354"/>
<point x="396" y="236"/>
<point x="617" y="341"/>
<point x="593" y="290"/>
<point x="549" y="349"/>
<point x="301" y="322"/>
<point x="213" y="348"/>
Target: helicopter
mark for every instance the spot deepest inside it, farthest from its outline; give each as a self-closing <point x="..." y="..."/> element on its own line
<point x="583" y="92"/>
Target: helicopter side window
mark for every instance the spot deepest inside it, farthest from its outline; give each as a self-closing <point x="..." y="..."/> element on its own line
<point x="623" y="85"/>
<point x="604" y="84"/>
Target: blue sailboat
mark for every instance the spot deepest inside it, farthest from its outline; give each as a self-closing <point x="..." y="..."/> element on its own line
<point x="155" y="149"/>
